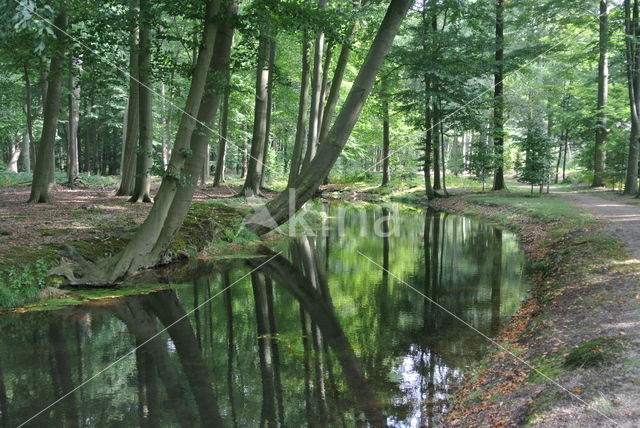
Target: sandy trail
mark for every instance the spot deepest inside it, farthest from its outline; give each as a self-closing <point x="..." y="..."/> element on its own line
<point x="622" y="219"/>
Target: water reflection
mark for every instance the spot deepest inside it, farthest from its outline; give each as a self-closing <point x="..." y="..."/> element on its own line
<point x="316" y="337"/>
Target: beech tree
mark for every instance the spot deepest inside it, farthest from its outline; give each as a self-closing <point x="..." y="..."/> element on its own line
<point x="311" y="177"/>
<point x="44" y="167"/>
<point x="603" y="83"/>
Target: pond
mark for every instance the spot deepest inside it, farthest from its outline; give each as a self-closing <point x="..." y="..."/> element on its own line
<point x="351" y="327"/>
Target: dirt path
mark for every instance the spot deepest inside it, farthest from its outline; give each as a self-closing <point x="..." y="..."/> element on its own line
<point x="615" y="312"/>
<point x="622" y="219"/>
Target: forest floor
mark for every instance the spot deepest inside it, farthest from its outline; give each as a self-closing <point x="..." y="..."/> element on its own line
<point x="570" y="357"/>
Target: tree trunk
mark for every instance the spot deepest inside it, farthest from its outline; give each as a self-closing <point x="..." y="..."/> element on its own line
<point x="267" y="132"/>
<point x="336" y="83"/>
<point x="498" y="100"/>
<point x="74" y="116"/>
<point x="385" y="140"/>
<point x="144" y="161"/>
<point x="316" y="93"/>
<point x="25" y="157"/>
<point x="633" y="75"/>
<point x="14" y="155"/>
<point x="428" y="120"/>
<point x="152" y="237"/>
<point x="603" y="81"/>
<point x="296" y="156"/>
<point x="132" y="117"/>
<point x="29" y="147"/>
<point x="256" y="167"/>
<point x="222" y="142"/>
<point x="435" y="144"/>
<point x="45" y="157"/>
<point x="279" y="209"/>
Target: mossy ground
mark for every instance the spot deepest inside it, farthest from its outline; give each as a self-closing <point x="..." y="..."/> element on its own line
<point x="24" y="271"/>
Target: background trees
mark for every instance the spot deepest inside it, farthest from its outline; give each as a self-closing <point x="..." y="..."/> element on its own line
<point x="446" y="70"/>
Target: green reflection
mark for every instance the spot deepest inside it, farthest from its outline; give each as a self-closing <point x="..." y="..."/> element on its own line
<point x="319" y="336"/>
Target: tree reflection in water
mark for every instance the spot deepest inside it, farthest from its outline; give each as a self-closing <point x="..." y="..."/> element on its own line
<point x="316" y="337"/>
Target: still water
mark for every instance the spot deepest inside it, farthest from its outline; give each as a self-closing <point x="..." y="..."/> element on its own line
<point x="332" y="330"/>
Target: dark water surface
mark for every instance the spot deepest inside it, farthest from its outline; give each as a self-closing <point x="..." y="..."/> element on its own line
<point x="318" y="336"/>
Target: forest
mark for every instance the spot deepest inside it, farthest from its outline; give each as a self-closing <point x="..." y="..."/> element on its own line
<point x="319" y="213"/>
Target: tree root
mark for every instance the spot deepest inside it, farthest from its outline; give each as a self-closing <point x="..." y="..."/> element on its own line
<point x="82" y="271"/>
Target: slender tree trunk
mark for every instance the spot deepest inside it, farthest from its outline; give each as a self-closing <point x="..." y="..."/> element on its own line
<point x="428" y="120"/>
<point x="25" y="157"/>
<point x="267" y="132"/>
<point x="632" y="33"/>
<point x="435" y="145"/>
<point x="144" y="160"/>
<point x="564" y="158"/>
<point x="498" y="99"/>
<point x="442" y="155"/>
<point x="222" y="141"/>
<point x="385" y="140"/>
<point x="44" y="159"/>
<point x="132" y="116"/>
<point x="14" y="155"/>
<point x="74" y="116"/>
<point x="256" y="167"/>
<point x="29" y="116"/>
<point x="281" y="208"/>
<point x="557" y="178"/>
<point x="245" y="159"/>
<point x="316" y="93"/>
<point x="603" y="81"/>
<point x="336" y="83"/>
<point x="296" y="156"/>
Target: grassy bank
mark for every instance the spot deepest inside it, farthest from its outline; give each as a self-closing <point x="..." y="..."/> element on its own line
<point x="566" y="334"/>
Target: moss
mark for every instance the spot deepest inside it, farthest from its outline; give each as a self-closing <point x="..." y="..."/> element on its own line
<point x="546" y="367"/>
<point x="593" y="353"/>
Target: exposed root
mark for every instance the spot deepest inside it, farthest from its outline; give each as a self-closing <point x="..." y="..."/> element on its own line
<point x="81" y="271"/>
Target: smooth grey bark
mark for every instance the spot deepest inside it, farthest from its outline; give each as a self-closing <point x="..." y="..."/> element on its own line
<point x="316" y="93"/>
<point x="301" y="130"/>
<point x="151" y="239"/>
<point x="336" y="83"/>
<point x="278" y="210"/>
<point x="435" y="143"/>
<point x="132" y="116"/>
<point x="267" y="132"/>
<point x="632" y="32"/>
<point x="14" y="155"/>
<point x="144" y="160"/>
<point x="26" y="158"/>
<point x="385" y="140"/>
<point x="498" y="99"/>
<point x="222" y="141"/>
<point x="45" y="158"/>
<point x="603" y="82"/>
<point x="24" y="162"/>
<point x="255" y="164"/>
<point x="74" y="117"/>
